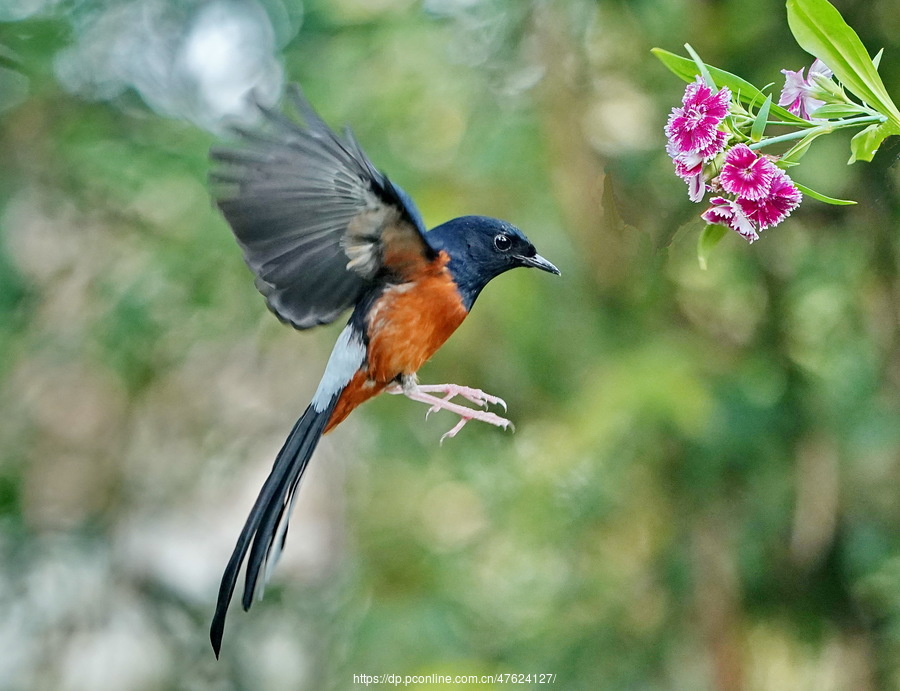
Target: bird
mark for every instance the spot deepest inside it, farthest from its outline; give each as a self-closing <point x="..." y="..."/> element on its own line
<point x="325" y="232"/>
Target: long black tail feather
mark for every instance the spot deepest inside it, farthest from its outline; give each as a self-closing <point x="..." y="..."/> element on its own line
<point x="261" y="529"/>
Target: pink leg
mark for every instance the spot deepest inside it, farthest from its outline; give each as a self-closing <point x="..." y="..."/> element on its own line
<point x="476" y="396"/>
<point x="422" y="394"/>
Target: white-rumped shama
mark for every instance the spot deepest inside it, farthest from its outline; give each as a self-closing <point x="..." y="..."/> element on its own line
<point x="324" y="231"/>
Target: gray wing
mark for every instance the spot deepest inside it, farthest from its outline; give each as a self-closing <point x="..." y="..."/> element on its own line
<point x="317" y="222"/>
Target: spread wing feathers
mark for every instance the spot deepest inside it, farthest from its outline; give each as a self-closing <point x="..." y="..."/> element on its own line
<point x="316" y="221"/>
<point x="264" y="532"/>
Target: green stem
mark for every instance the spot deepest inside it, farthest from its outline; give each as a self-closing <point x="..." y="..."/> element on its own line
<point x="824" y="128"/>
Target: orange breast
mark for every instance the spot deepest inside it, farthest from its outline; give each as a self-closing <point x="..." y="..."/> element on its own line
<point x="407" y="324"/>
<point x="412" y="320"/>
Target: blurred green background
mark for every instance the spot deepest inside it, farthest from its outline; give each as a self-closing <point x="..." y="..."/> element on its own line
<point x="703" y="490"/>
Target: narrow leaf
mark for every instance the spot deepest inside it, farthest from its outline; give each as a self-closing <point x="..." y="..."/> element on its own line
<point x="759" y="125"/>
<point x="701" y="66"/>
<point x="796" y="152"/>
<point x="821" y="197"/>
<point x="836" y="110"/>
<point x="685" y="69"/>
<point x="709" y="238"/>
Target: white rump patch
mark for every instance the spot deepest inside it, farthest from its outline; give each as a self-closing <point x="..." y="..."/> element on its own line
<point x="347" y="357"/>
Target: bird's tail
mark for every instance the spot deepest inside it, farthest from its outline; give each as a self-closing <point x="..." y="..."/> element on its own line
<point x="266" y="527"/>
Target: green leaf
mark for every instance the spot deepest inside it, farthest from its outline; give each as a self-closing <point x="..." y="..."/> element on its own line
<point x="685" y="69"/>
<point x="759" y="125"/>
<point x="835" y="110"/>
<point x="701" y="66"/>
<point x="796" y="152"/>
<point x="709" y="238"/>
<point x="821" y="30"/>
<point x="877" y="59"/>
<point x="865" y="143"/>
<point x="821" y="197"/>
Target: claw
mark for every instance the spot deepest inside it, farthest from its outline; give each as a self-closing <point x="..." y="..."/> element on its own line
<point x="449" y="434"/>
<point x="423" y="394"/>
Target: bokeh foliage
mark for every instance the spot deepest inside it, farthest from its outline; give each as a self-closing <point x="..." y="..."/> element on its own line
<point x="702" y="492"/>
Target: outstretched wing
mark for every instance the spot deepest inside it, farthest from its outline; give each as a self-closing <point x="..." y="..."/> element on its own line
<point x="317" y="222"/>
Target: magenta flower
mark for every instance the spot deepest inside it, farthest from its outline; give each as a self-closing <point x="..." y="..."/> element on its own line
<point x="745" y="174"/>
<point x="689" y="167"/>
<point x="782" y="198"/>
<point x="693" y="128"/>
<point x="772" y="194"/>
<point x="728" y="212"/>
<point x="693" y="134"/>
<point x="797" y="94"/>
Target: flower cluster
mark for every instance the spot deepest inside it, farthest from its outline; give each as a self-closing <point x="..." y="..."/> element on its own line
<point x="754" y="194"/>
<point x="715" y="138"/>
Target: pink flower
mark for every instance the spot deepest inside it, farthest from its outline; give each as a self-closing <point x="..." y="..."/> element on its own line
<point x="728" y="212"/>
<point x="772" y="202"/>
<point x="780" y="199"/>
<point x="689" y="167"/>
<point x="693" y="134"/>
<point x="797" y="94"/>
<point x="693" y="128"/>
<point x="744" y="174"/>
<point x="696" y="186"/>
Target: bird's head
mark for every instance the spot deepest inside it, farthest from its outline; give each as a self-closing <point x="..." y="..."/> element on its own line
<point x="482" y="248"/>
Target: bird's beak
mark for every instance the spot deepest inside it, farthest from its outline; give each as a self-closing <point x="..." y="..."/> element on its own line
<point x="538" y="262"/>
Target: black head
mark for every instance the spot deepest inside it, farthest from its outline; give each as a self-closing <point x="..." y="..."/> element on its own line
<point x="481" y="248"/>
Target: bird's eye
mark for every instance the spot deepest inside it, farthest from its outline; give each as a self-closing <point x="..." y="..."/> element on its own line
<point x="502" y="242"/>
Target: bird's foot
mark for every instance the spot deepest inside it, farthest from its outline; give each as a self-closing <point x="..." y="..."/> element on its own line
<point x="451" y="391"/>
<point x="424" y="394"/>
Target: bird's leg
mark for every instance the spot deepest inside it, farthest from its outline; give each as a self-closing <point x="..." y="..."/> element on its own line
<point x="410" y="388"/>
